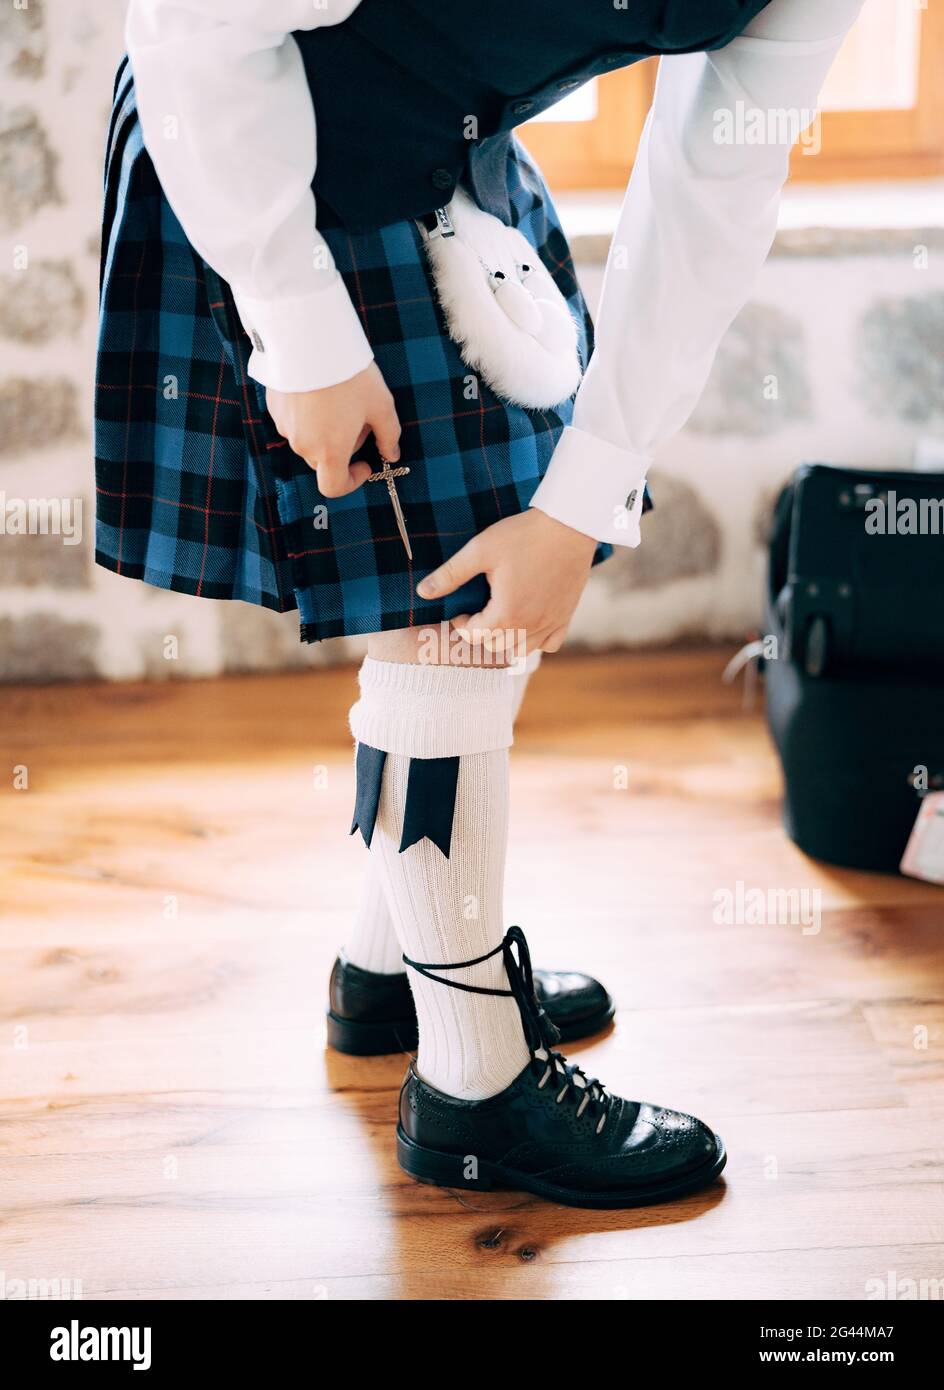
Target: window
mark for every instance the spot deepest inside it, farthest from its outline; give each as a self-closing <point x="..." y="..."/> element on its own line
<point x="882" y="109"/>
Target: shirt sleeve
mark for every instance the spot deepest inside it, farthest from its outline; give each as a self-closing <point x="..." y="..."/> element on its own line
<point x="697" y="222"/>
<point x="227" y="118"/>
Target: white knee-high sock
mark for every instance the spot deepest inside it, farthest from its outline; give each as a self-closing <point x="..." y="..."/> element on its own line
<point x="446" y="910"/>
<point x="372" y="942"/>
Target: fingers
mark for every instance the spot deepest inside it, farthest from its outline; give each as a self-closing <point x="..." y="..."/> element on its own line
<point x="385" y="424"/>
<point x="535" y="579"/>
<point x="337" y="476"/>
<point x="326" y="427"/>
<point x="482" y="630"/>
<point x="458" y="570"/>
<point x="495" y="633"/>
<point x="331" y="459"/>
<point x="359" y="473"/>
<point x="555" y="641"/>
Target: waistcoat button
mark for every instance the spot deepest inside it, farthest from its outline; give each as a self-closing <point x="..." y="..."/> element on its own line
<point x="569" y="84"/>
<point x="521" y="108"/>
<point x="441" y="178"/>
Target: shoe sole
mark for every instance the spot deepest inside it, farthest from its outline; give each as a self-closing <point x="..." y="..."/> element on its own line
<point x="448" y="1170"/>
<point x="361" y="1038"/>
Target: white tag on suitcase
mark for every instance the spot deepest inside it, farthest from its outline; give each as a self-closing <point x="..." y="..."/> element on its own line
<point x="924" y="853"/>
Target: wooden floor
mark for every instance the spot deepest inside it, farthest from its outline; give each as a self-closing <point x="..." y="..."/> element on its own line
<point x="176" y="880"/>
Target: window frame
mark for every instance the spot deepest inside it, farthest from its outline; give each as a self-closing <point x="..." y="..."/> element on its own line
<point x="873" y="144"/>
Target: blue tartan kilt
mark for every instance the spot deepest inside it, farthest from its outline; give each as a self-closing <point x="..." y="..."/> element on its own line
<point x="197" y="491"/>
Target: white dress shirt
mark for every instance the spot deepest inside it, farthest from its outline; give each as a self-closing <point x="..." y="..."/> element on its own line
<point x="227" y="119"/>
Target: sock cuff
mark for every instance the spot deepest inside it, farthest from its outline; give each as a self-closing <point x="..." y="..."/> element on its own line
<point x="426" y="711"/>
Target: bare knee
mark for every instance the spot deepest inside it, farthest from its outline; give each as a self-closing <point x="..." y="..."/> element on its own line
<point x="435" y="645"/>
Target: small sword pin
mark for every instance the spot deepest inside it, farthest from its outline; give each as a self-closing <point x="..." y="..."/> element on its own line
<point x="387" y="475"/>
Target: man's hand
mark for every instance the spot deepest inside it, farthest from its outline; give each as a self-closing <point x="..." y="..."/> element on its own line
<point x="327" y="427"/>
<point x="536" y="568"/>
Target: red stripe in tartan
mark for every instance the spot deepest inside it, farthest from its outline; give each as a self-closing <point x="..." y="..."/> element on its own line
<point x="180" y="506"/>
<point x="566" y="264"/>
<point x="379" y="304"/>
<point x="149" y="386"/>
<point x="395" y="303"/>
<point x="165" y="275"/>
<point x="452" y="415"/>
<point x="484" y="452"/>
<point x="355" y="270"/>
<point x="248" y="419"/>
<point x="206" y="509"/>
<point x="422" y="420"/>
<point x="375" y="540"/>
<point x="362" y="310"/>
<point x="134" y="341"/>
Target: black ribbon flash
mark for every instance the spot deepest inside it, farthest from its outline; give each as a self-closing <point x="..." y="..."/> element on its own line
<point x="430" y="798"/>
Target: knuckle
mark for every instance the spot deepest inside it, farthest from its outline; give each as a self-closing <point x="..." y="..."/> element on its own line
<point x="302" y="444"/>
<point x="330" y="482"/>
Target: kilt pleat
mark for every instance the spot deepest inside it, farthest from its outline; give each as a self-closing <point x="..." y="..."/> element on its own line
<point x="181" y="502"/>
<point x="197" y="492"/>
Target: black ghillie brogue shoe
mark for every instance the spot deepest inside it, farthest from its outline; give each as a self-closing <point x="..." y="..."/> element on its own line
<point x="369" y="1014"/>
<point x="554" y="1131"/>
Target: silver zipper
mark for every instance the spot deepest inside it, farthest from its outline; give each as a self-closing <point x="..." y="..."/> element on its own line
<point x="443" y="225"/>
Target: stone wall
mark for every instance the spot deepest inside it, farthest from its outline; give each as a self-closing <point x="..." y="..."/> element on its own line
<point x="837" y="357"/>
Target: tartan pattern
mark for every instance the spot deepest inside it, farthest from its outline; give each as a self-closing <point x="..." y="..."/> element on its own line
<point x="196" y="490"/>
<point x="183" y="501"/>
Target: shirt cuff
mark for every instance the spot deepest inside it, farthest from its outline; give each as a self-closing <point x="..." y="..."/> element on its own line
<point x="305" y="343"/>
<point x="594" y="487"/>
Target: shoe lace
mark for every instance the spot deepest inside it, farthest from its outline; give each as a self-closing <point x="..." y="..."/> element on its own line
<point x="540" y="1033"/>
<point x="591" y="1092"/>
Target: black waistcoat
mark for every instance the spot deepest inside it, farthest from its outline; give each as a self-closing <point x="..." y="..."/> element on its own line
<point x="413" y="95"/>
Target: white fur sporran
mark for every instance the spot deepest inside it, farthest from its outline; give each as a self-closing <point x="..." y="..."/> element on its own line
<point x="502" y="308"/>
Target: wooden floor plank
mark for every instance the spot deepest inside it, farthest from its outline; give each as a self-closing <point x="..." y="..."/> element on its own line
<point x="210" y="1211"/>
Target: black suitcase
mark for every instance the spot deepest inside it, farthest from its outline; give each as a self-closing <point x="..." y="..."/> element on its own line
<point x="855" y="693"/>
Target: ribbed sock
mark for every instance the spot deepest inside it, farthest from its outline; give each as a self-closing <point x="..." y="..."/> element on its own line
<point x="372" y="943"/>
<point x="448" y="909"/>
